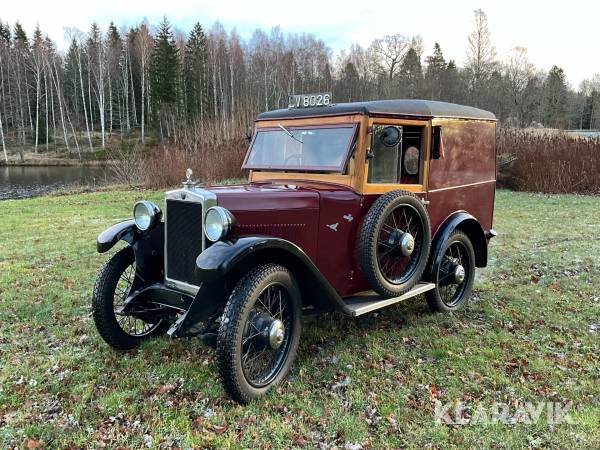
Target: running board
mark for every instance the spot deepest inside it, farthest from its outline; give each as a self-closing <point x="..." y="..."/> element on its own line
<point x="360" y="304"/>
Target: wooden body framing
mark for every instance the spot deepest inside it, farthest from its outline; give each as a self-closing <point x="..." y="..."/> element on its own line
<point x="358" y="165"/>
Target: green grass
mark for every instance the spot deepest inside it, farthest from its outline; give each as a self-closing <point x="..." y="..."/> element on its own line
<point x="527" y="336"/>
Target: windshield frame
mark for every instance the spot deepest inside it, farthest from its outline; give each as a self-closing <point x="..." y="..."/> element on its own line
<point x="341" y="168"/>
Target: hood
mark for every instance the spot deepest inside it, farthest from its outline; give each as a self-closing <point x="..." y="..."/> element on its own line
<point x="272" y="195"/>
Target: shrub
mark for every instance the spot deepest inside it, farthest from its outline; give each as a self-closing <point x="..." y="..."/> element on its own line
<point x="551" y="162"/>
<point x="213" y="152"/>
<point x="167" y="164"/>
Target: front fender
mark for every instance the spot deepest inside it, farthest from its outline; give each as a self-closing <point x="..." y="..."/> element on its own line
<point x="221" y="257"/>
<point x="125" y="231"/>
<point x="235" y="257"/>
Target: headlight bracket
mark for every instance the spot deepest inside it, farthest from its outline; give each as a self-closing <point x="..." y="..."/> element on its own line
<point x="146" y="215"/>
<point x="218" y="223"/>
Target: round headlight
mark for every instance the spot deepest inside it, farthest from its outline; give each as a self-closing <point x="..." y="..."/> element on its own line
<point x="218" y="222"/>
<point x="145" y="214"/>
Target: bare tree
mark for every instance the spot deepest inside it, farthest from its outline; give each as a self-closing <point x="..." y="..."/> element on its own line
<point x="37" y="64"/>
<point x="76" y="38"/>
<point x="96" y="53"/>
<point x="519" y="74"/>
<point x="2" y="138"/>
<point x="481" y="55"/>
<point x="144" y="45"/>
<point x="390" y="50"/>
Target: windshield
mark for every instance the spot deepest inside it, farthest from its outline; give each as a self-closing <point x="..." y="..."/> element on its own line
<point x="316" y="148"/>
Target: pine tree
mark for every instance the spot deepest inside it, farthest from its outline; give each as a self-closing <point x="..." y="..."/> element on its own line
<point x="114" y="54"/>
<point x="72" y="79"/>
<point x="434" y="76"/>
<point x="589" y="110"/>
<point x="21" y="57"/>
<point x="411" y="75"/>
<point x="164" y="69"/>
<point x="555" y="98"/>
<point x="5" y="34"/>
<point x="481" y="57"/>
<point x="349" y="81"/>
<point x="452" y="84"/>
<point x="37" y="63"/>
<point x="196" y="89"/>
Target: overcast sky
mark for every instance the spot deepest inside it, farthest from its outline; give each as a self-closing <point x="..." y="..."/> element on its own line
<point x="566" y="33"/>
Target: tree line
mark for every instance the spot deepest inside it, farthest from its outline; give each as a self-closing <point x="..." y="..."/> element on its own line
<point x="131" y="82"/>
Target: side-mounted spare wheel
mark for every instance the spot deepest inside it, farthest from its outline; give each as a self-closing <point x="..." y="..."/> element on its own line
<point x="393" y="243"/>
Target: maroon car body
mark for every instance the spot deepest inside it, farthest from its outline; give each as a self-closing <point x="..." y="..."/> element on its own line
<point x="300" y="206"/>
<point x="350" y="207"/>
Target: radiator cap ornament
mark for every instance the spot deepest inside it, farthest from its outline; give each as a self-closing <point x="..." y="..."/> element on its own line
<point x="189" y="183"/>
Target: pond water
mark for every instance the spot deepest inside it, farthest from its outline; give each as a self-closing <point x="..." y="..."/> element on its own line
<point x="20" y="182"/>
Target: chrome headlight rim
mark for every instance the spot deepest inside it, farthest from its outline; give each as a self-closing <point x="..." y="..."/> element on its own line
<point x="152" y="215"/>
<point x="225" y="221"/>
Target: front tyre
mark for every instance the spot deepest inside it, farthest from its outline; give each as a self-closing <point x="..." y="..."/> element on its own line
<point x="454" y="275"/>
<point x="259" y="332"/>
<point x="122" y="332"/>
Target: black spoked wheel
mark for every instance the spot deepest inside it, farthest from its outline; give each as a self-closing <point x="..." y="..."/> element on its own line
<point x="393" y="243"/>
<point x="113" y="284"/>
<point x="264" y="342"/>
<point x="259" y="332"/>
<point x="453" y="274"/>
<point x="399" y="244"/>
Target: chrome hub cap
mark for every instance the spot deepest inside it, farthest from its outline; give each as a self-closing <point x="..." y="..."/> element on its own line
<point x="407" y="244"/>
<point x="276" y="334"/>
<point x="459" y="274"/>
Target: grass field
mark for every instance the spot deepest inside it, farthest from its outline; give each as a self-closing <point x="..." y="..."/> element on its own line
<point x="531" y="334"/>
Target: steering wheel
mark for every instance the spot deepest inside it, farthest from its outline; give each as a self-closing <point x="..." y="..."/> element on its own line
<point x="297" y="156"/>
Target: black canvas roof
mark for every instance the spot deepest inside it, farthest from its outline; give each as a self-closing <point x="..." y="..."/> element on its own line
<point x="413" y="108"/>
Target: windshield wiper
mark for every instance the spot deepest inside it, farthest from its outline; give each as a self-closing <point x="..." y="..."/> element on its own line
<point x="289" y="133"/>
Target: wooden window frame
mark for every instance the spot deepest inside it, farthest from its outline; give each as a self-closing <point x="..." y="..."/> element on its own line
<point x="358" y="165"/>
<point x="379" y="188"/>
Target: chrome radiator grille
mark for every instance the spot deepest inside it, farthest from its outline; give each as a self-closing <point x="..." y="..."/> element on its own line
<point x="183" y="240"/>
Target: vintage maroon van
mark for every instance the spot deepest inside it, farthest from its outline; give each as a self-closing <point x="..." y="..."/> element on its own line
<point x="350" y="207"/>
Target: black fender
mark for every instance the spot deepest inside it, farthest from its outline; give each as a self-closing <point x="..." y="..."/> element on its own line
<point x="148" y="247"/>
<point x="229" y="260"/>
<point x="466" y="223"/>
<point x="126" y="231"/>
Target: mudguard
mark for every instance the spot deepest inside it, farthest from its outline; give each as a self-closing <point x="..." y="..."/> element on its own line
<point x="125" y="231"/>
<point x="468" y="224"/>
<point x="148" y="247"/>
<point x="231" y="259"/>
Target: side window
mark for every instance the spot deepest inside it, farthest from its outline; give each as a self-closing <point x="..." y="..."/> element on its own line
<point x="385" y="158"/>
<point x="398" y="163"/>
<point x="411" y="154"/>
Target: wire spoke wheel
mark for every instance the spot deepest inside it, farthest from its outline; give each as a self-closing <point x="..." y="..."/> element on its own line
<point x="393" y="243"/>
<point x="399" y="244"/>
<point x="451" y="286"/>
<point x="265" y="342"/>
<point x="259" y="332"/>
<point x="453" y="275"/>
<point x="120" y="324"/>
<point x="129" y="323"/>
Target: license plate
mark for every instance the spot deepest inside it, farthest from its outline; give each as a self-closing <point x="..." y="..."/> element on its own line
<point x="309" y="100"/>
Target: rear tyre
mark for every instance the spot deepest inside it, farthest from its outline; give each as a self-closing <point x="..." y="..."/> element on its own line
<point x="453" y="276"/>
<point x="393" y="243"/>
<point x="122" y="332"/>
<point x="259" y="332"/>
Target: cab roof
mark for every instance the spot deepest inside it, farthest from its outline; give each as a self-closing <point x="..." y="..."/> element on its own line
<point x="412" y="108"/>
